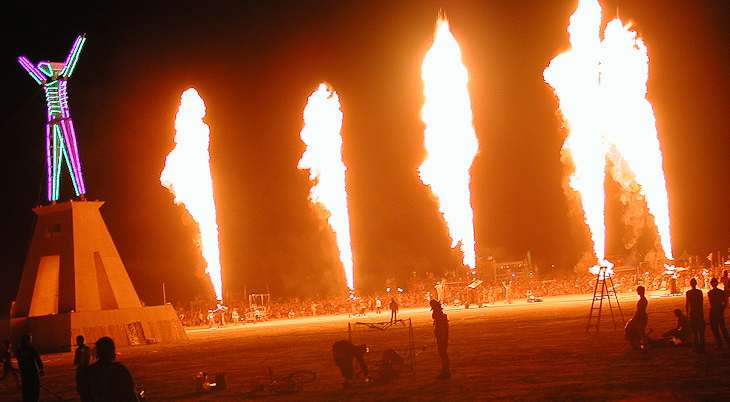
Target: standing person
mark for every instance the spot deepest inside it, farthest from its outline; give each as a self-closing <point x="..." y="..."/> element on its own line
<point x="441" y="331"/>
<point x="344" y="352"/>
<point x="108" y="380"/>
<point x="82" y="356"/>
<point x="393" y="306"/>
<point x="718" y="303"/>
<point x="725" y="280"/>
<point x="378" y="305"/>
<point x="696" y="316"/>
<point x="31" y="369"/>
<point x="6" y="360"/>
<point x="640" y="315"/>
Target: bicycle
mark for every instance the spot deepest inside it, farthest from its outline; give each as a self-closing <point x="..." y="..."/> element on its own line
<point x="285" y="385"/>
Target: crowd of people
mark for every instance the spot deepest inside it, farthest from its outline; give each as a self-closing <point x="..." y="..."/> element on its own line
<point x="240" y="312"/>
<point x="104" y="378"/>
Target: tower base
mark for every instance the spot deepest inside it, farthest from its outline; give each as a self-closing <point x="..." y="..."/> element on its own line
<point x="130" y="326"/>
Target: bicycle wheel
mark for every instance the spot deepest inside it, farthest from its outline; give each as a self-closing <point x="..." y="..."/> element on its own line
<point x="302" y="376"/>
<point x="285" y="386"/>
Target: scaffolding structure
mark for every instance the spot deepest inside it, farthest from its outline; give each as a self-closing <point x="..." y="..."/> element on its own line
<point x="378" y="346"/>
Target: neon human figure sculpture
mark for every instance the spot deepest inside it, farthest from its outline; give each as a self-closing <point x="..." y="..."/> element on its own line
<point x="60" y="134"/>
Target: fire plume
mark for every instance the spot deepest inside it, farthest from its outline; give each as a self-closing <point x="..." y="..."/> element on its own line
<point x="323" y="157"/>
<point x="601" y="85"/>
<point x="449" y="137"/>
<point x="187" y="175"/>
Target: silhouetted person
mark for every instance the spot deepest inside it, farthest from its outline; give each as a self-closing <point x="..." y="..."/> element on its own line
<point x="640" y="316"/>
<point x="344" y="352"/>
<point x="696" y="316"/>
<point x="682" y="331"/>
<point x="108" y="380"/>
<point x="393" y="306"/>
<point x="6" y="360"/>
<point x="31" y="369"/>
<point x="441" y="331"/>
<point x="718" y="303"/>
<point x="82" y="356"/>
<point x="725" y="280"/>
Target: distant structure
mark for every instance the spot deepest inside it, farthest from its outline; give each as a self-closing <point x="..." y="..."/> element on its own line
<point x="74" y="282"/>
<point x="60" y="134"/>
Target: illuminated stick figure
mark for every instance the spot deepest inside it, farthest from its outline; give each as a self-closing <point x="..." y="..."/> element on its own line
<point x="60" y="134"/>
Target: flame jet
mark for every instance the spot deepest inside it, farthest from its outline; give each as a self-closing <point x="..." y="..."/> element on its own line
<point x="574" y="75"/>
<point x="187" y="175"/>
<point x="601" y="85"/>
<point x="632" y="125"/>
<point x="323" y="157"/>
<point x="449" y="137"/>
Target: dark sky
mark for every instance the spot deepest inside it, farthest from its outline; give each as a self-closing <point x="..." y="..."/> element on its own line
<point x="255" y="64"/>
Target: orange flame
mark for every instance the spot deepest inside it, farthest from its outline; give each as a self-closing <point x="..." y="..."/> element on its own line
<point x="601" y="86"/>
<point x="323" y="157"/>
<point x="187" y="176"/>
<point x="449" y="137"/>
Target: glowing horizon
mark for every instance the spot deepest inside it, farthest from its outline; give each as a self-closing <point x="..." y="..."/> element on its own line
<point x="188" y="177"/>
<point x="449" y="138"/>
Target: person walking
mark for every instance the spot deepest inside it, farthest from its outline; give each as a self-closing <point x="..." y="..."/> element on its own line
<point x="31" y="369"/>
<point x="441" y="332"/>
<point x="718" y="303"/>
<point x="693" y="306"/>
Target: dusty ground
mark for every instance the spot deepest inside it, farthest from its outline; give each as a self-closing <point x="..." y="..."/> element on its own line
<point x="521" y="351"/>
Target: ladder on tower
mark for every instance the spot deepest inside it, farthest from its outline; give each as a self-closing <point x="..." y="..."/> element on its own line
<point x="604" y="290"/>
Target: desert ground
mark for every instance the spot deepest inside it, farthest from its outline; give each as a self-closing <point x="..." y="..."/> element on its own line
<point x="504" y="352"/>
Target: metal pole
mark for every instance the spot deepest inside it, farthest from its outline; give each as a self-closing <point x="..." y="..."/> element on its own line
<point x="164" y="295"/>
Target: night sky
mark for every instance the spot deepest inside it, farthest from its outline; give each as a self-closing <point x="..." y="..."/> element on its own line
<point x="255" y="64"/>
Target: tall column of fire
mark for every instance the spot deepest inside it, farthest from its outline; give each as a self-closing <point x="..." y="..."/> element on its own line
<point x="602" y="86"/>
<point x="449" y="138"/>
<point x="188" y="177"/>
<point x="323" y="157"/>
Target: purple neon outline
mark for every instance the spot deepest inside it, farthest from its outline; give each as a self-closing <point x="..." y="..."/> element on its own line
<point x="34" y="71"/>
<point x="57" y="160"/>
<point x="61" y="140"/>
<point x="73" y="56"/>
<point x="69" y="133"/>
<point x="49" y="162"/>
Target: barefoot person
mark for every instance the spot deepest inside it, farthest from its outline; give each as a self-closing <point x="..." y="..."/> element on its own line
<point x="441" y="331"/>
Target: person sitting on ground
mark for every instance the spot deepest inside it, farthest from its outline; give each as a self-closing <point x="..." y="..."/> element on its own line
<point x="682" y="332"/>
<point x="344" y="352"/>
<point x="108" y="380"/>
